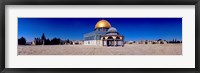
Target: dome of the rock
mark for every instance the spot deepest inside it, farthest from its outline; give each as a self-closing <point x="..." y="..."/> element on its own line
<point x="102" y="24"/>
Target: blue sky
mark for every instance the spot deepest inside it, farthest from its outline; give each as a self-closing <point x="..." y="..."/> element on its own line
<point x="133" y="29"/>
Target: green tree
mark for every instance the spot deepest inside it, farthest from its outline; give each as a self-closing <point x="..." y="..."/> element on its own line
<point x="22" y="41"/>
<point x="43" y="37"/>
<point x="47" y="42"/>
<point x="55" y="41"/>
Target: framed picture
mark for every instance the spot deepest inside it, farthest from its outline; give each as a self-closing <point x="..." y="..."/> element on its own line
<point x="100" y="36"/>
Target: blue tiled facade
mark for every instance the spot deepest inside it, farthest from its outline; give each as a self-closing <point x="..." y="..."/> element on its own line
<point x="95" y="35"/>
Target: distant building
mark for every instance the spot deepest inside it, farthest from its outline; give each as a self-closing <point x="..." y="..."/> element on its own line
<point x="129" y="42"/>
<point x="104" y="35"/>
<point x="77" y="42"/>
<point x="33" y="43"/>
<point x="28" y="43"/>
<point x="38" y="41"/>
<point x="151" y="42"/>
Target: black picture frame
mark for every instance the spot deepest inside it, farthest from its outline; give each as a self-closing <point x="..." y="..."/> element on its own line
<point x="99" y="2"/>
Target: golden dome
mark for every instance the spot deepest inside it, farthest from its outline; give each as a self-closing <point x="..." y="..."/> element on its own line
<point x="102" y="24"/>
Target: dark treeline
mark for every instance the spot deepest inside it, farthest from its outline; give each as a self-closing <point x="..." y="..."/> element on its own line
<point x="174" y="41"/>
<point x="58" y="41"/>
<point x="22" y="41"/>
<point x="171" y="41"/>
<point x="54" y="41"/>
<point x="44" y="41"/>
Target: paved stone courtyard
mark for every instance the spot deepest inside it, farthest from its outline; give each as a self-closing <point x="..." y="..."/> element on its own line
<point x="128" y="49"/>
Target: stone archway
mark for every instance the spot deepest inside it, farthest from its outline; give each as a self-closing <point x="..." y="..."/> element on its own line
<point x="117" y="41"/>
<point x="110" y="41"/>
<point x="103" y="41"/>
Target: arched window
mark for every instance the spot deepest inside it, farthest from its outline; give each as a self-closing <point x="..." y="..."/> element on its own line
<point x="110" y="38"/>
<point x="103" y="38"/>
<point x="117" y="38"/>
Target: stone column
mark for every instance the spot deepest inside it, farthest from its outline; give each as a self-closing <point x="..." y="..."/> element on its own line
<point x="114" y="43"/>
<point x="103" y="43"/>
